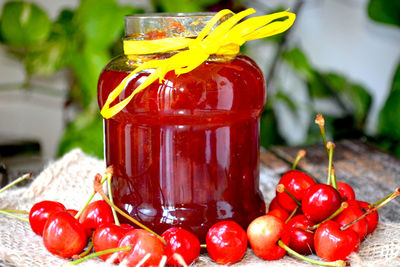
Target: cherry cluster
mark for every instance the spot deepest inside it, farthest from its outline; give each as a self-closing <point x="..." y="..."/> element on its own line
<point x="305" y="217"/>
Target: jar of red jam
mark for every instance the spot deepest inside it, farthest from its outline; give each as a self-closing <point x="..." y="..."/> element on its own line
<point x="185" y="151"/>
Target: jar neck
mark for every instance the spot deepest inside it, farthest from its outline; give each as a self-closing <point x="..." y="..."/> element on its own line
<point x="167" y="25"/>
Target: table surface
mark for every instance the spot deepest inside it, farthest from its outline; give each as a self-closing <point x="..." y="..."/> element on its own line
<point x="371" y="172"/>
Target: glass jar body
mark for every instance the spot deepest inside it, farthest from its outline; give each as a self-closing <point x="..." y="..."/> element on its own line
<point x="185" y="151"/>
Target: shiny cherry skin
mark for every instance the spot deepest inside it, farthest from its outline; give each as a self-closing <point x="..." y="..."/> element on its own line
<point x="346" y="191"/>
<point x="95" y="215"/>
<point x="280" y="213"/>
<point x="40" y="212"/>
<point x="226" y="242"/>
<point x="144" y="244"/>
<point x="274" y="204"/>
<point x="350" y="214"/>
<point x="296" y="182"/>
<point x="263" y="234"/>
<point x="333" y="244"/>
<point x="301" y="239"/>
<point x="320" y="201"/>
<point x="63" y="235"/>
<point x="372" y="219"/>
<point x="72" y="212"/>
<point x="108" y="236"/>
<point x="183" y="243"/>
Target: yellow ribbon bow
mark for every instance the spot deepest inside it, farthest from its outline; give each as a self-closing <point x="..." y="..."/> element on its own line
<point x="225" y="39"/>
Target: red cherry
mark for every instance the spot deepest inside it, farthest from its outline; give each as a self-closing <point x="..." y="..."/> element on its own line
<point x="147" y="249"/>
<point x="320" y="201"/>
<point x="346" y="191"/>
<point x="40" y="212"/>
<point x="108" y="236"/>
<point x="296" y="182"/>
<point x="301" y="239"/>
<point x="181" y="242"/>
<point x="72" y="212"/>
<point x="263" y="234"/>
<point x="350" y="214"/>
<point x="226" y="242"/>
<point x="95" y="215"/>
<point x="63" y="235"/>
<point x="333" y="244"/>
<point x="280" y="213"/>
<point x="372" y="219"/>
<point x="274" y="204"/>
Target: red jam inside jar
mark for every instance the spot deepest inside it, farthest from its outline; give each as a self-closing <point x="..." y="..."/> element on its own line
<point x="185" y="151"/>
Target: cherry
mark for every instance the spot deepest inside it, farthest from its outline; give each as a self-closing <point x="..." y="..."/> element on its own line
<point x="331" y="243"/>
<point x="263" y="234"/>
<point x="320" y="201"/>
<point x="226" y="242"/>
<point x="72" y="212"/>
<point x="108" y="236"/>
<point x="147" y="249"/>
<point x="180" y="243"/>
<point x="296" y="182"/>
<point x="372" y="219"/>
<point x="63" y="235"/>
<point x="350" y="214"/>
<point x="95" y="215"/>
<point x="274" y="204"/>
<point x="280" y="213"/>
<point x="40" y="212"/>
<point x="346" y="191"/>
<point x="301" y="239"/>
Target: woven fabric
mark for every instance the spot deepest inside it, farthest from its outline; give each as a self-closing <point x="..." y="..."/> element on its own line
<point x="69" y="180"/>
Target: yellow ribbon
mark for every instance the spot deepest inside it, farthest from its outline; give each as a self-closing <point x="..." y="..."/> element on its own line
<point x="225" y="39"/>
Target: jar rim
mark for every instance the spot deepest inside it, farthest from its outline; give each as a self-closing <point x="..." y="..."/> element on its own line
<point x="171" y="15"/>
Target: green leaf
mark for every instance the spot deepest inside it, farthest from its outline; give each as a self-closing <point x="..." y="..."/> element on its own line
<point x="87" y="65"/>
<point x="85" y="132"/>
<point x="389" y="116"/>
<point x="353" y="96"/>
<point x="298" y="60"/>
<point x="385" y="11"/>
<point x="24" y="24"/>
<point x="101" y="22"/>
<point x="182" y="5"/>
<point x="269" y="134"/>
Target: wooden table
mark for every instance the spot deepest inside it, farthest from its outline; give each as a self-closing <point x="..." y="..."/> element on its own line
<point x="372" y="173"/>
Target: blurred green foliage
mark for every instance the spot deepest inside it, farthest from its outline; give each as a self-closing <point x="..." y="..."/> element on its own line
<point x="85" y="39"/>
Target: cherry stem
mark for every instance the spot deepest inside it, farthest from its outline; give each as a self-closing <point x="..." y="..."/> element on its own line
<point x="99" y="189"/>
<point x="331" y="174"/>
<point x="301" y="154"/>
<point x="14" y="216"/>
<point x="281" y="188"/>
<point x="99" y="253"/>
<point x="338" y="263"/>
<point x="292" y="214"/>
<point x="86" y="252"/>
<point x="392" y="196"/>
<point x="203" y="245"/>
<point x="16" y="181"/>
<point x="320" y="121"/>
<point x="111" y="199"/>
<point x="109" y="169"/>
<point x="342" y="207"/>
<point x="17" y="211"/>
<point x="380" y="201"/>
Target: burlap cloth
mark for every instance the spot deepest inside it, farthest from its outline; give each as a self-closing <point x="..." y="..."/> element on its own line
<point x="69" y="180"/>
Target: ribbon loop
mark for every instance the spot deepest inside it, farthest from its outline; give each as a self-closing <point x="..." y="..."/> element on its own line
<point x="225" y="39"/>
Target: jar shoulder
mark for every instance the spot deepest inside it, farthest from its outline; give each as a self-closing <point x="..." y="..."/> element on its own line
<point x="232" y="85"/>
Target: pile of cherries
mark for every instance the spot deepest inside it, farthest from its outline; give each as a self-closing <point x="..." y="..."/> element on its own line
<point x="303" y="218"/>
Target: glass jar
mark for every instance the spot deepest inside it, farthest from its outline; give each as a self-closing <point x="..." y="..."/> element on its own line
<point x="185" y="151"/>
